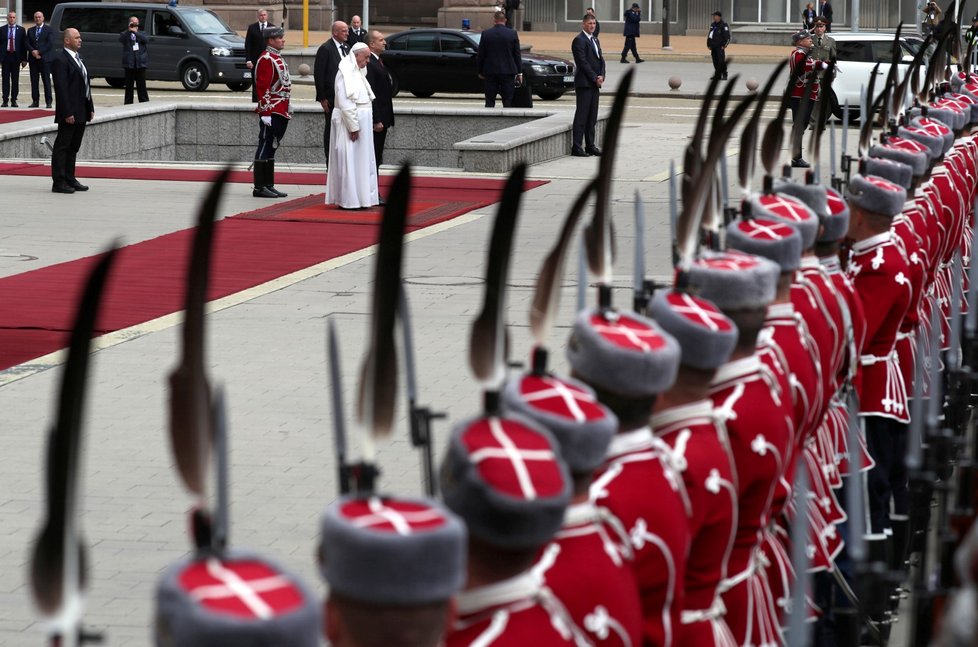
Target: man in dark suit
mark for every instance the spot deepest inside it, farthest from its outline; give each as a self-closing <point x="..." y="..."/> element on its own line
<point x="357" y="33"/>
<point x="327" y="65"/>
<point x="72" y="111"/>
<point x="255" y="45"/>
<point x="383" y="103"/>
<point x="825" y="10"/>
<point x="135" y="60"/>
<point x="499" y="61"/>
<point x="40" y="48"/>
<point x="588" y="79"/>
<point x="633" y="30"/>
<point x="13" y="39"/>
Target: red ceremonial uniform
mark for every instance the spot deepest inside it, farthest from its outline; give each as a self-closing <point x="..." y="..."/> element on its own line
<point x="272" y="84"/>
<point x="881" y="276"/>
<point x="803" y="66"/>
<point x="703" y="453"/>
<point x="587" y="566"/>
<point x="757" y="417"/>
<point x="517" y="611"/>
<point x="640" y="487"/>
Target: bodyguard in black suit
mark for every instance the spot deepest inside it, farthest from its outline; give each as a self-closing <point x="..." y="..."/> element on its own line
<point x="357" y="33"/>
<point x="13" y="41"/>
<point x="72" y="111"/>
<point x="499" y="61"/>
<point x="135" y="60"/>
<point x="40" y="48"/>
<point x="327" y="65"/>
<point x="383" y="103"/>
<point x="254" y="46"/>
<point x="588" y="79"/>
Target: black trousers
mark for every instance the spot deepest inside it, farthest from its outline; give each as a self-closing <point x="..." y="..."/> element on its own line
<point x="585" y="116"/>
<point x="10" y="68"/>
<point x="886" y="440"/>
<point x="719" y="56"/>
<point x="136" y="76"/>
<point x="329" y="117"/>
<point x="801" y="114"/>
<point x="66" y="147"/>
<point x="40" y="71"/>
<point x="629" y="47"/>
<point x="269" y="137"/>
<point x="502" y="84"/>
<point x="380" y="138"/>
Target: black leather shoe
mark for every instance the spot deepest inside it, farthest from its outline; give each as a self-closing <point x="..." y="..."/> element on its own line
<point x="639" y="60"/>
<point x="799" y="163"/>
<point x="47" y="105"/>
<point x="34" y="105"/>
<point x="262" y="192"/>
<point x="624" y="60"/>
<point x="578" y="152"/>
<point x="382" y="203"/>
<point x="278" y="194"/>
<point x="723" y="78"/>
<point x="13" y="104"/>
<point x="594" y="150"/>
<point x="3" y="105"/>
<point x="713" y="78"/>
<point x="77" y="186"/>
<point x="62" y="188"/>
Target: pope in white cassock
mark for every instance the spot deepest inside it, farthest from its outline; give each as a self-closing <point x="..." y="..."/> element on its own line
<point x="352" y="179"/>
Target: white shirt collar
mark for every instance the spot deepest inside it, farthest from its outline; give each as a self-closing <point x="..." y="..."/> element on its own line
<point x="517" y="588"/>
<point x="580" y="513"/>
<point x="631" y="441"/>
<point x="737" y="368"/>
<point x="780" y="310"/>
<point x="830" y="263"/>
<point x="870" y="242"/>
<point x="699" y="409"/>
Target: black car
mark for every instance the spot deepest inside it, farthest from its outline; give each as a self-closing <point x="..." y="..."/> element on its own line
<point x="425" y="61"/>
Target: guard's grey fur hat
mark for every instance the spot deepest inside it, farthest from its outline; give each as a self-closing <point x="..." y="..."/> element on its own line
<point x="836" y="224"/>
<point x="812" y="195"/>
<point x="799" y="36"/>
<point x="946" y="116"/>
<point x="946" y="133"/>
<point x="733" y="280"/>
<point x="782" y="207"/>
<point x="568" y="409"/>
<point x="281" y="612"/>
<point x="916" y="161"/>
<point x="935" y="145"/>
<point x="501" y="506"/>
<point x="965" y="97"/>
<point x="877" y="195"/>
<point x="890" y="169"/>
<point x="770" y="239"/>
<point x="272" y="32"/>
<point x="706" y="336"/>
<point x="624" y="353"/>
<point x="392" y="551"/>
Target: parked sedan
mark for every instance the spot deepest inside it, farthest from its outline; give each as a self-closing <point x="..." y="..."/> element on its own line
<point x="858" y="55"/>
<point x="425" y="61"/>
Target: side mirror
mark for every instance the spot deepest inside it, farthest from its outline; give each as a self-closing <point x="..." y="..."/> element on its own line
<point x="175" y="30"/>
<point x="470" y="50"/>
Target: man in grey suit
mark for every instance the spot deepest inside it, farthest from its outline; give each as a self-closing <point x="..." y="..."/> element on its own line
<point x="588" y="79"/>
<point x="499" y="61"/>
<point x="40" y="48"/>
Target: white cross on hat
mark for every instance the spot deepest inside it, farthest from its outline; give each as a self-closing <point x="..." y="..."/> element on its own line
<point x="628" y="333"/>
<point x="786" y="207"/>
<point x="571" y="397"/>
<point x="517" y="457"/>
<point x="402" y="519"/>
<point x="765" y="229"/>
<point x="233" y="581"/>
<point x="709" y="317"/>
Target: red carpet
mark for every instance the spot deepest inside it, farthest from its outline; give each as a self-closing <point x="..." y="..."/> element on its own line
<point x="148" y="278"/>
<point x="17" y="114"/>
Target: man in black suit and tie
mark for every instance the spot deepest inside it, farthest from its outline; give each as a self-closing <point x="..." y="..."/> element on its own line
<point x="72" y="111"/>
<point x="499" y="61"/>
<point x="383" y="103"/>
<point x="588" y="79"/>
<point x="327" y="65"/>
<point x="13" y="39"/>
<point x="254" y="46"/>
<point x="357" y="33"/>
<point x="40" y="48"/>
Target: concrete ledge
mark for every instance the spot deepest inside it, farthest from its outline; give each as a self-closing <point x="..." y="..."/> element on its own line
<point x="530" y="142"/>
<point x="475" y="139"/>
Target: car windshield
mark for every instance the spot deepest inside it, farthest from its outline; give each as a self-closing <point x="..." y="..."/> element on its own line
<point x="914" y="46"/>
<point x="476" y="36"/>
<point x="202" y="21"/>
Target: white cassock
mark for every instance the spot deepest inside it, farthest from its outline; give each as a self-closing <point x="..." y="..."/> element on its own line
<point x="352" y="178"/>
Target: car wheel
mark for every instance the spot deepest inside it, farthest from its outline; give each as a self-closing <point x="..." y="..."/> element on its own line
<point x="194" y="77"/>
<point x="422" y="94"/>
<point x="115" y="82"/>
<point x="395" y="86"/>
<point x="550" y="95"/>
<point x="239" y="86"/>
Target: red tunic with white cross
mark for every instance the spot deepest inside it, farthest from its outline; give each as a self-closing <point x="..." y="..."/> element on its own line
<point x="703" y="452"/>
<point x="272" y="84"/>
<point x="802" y="65"/>
<point x="880" y="274"/>
<point x="588" y="568"/>
<point x="646" y="495"/>
<point x="757" y="419"/>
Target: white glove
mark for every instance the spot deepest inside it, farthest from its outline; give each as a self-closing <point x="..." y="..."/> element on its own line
<point x="267" y="120"/>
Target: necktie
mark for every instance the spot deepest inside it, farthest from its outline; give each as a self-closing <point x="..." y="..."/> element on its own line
<point x="10" y="39"/>
<point x="597" y="47"/>
<point x="81" y="66"/>
<point x="344" y="49"/>
<point x="262" y="27"/>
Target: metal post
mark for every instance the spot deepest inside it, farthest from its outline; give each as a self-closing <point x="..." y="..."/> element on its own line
<point x="854" y="15"/>
<point x="665" y="25"/>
